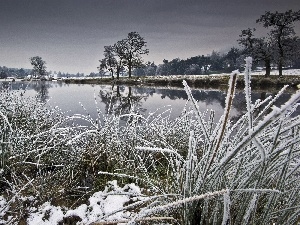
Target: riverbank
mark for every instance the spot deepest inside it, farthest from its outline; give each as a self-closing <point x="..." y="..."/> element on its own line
<point x="196" y="81"/>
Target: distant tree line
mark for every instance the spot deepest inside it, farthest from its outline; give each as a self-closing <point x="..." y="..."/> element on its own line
<point x="39" y="70"/>
<point x="280" y="48"/>
<point x="23" y="73"/>
<point x="197" y="65"/>
<point x="13" y="72"/>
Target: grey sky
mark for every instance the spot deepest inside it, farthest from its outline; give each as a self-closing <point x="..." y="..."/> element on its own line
<point x="70" y="34"/>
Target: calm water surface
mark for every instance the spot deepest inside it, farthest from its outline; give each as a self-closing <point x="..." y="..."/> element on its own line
<point x="85" y="98"/>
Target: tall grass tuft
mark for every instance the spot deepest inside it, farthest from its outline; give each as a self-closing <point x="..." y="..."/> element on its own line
<point x="251" y="167"/>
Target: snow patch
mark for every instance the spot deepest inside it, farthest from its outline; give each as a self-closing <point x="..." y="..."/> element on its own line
<point x="103" y="206"/>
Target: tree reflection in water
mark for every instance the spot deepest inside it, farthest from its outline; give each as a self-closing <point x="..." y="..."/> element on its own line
<point x="42" y="89"/>
<point x="122" y="100"/>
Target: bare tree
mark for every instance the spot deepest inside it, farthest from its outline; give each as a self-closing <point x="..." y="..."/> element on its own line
<point x="259" y="48"/>
<point x="131" y="50"/>
<point x="282" y="31"/>
<point x="39" y="67"/>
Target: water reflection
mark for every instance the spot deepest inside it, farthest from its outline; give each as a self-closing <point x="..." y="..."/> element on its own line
<point x="144" y="100"/>
<point x="119" y="101"/>
<point x="40" y="87"/>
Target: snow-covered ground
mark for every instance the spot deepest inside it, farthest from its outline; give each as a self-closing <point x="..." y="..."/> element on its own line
<point x="104" y="205"/>
<point x="276" y="72"/>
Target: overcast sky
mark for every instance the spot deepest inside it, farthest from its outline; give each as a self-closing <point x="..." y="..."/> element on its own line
<point x="70" y="34"/>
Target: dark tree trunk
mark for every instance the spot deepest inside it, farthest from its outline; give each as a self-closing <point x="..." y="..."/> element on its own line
<point x="119" y="66"/>
<point x="129" y="92"/>
<point x="118" y="73"/>
<point x="281" y="53"/>
<point x="118" y="91"/>
<point x="112" y="73"/>
<point x="129" y="69"/>
<point x="280" y="64"/>
<point x="268" y="67"/>
<point x="129" y="98"/>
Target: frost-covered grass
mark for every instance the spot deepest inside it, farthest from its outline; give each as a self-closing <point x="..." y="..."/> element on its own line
<point x="191" y="170"/>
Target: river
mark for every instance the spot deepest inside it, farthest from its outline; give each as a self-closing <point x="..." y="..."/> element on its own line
<point x="86" y="99"/>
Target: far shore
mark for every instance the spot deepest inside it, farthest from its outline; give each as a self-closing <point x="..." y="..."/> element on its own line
<point x="215" y="81"/>
<point x="195" y="81"/>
